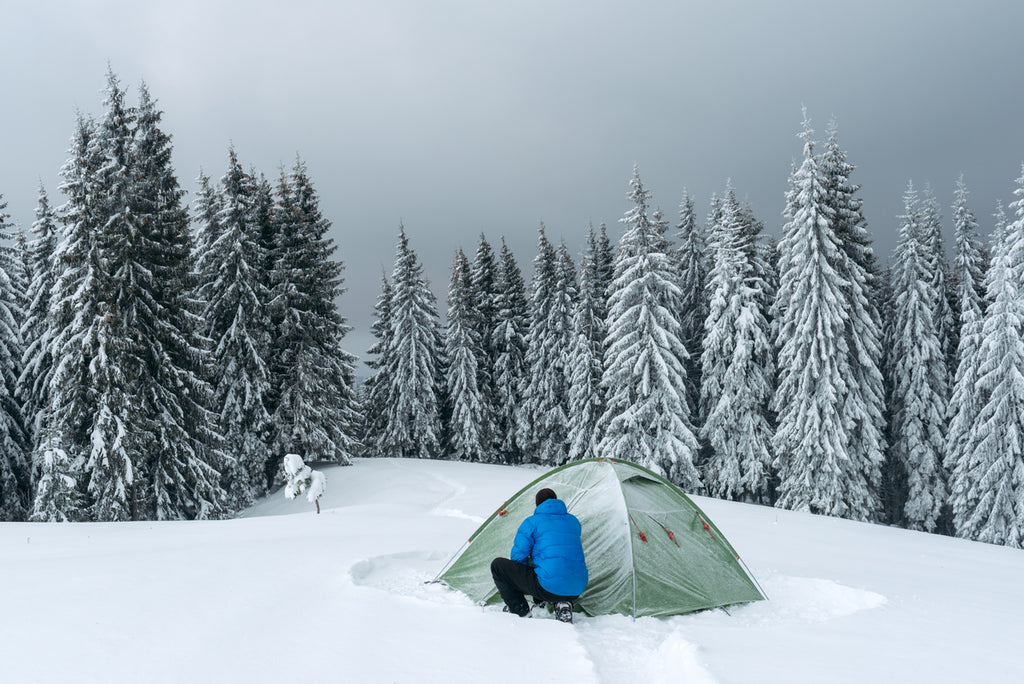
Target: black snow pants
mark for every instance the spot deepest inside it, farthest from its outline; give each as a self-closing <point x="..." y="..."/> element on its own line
<point x="515" y="580"/>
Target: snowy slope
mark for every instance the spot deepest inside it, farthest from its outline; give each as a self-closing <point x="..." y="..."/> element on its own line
<point x="284" y="595"/>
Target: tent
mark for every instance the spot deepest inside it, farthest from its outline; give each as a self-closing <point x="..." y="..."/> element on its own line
<point x="650" y="550"/>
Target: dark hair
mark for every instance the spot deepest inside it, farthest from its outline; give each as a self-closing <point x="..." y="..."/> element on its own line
<point x="545" y="494"/>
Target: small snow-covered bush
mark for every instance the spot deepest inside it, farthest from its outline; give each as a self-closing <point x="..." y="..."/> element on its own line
<point x="300" y="479"/>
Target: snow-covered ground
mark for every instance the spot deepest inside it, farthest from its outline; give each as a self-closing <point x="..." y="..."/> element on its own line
<point x="285" y="595"/>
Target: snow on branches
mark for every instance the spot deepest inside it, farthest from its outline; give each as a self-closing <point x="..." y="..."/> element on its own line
<point x="300" y="479"/>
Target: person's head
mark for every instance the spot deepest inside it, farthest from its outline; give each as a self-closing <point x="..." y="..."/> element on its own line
<point x="545" y="494"/>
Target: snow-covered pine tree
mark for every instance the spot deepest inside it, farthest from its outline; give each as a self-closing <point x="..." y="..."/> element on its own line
<point x="206" y="209"/>
<point x="693" y="262"/>
<point x="484" y="274"/>
<point x="764" y="255"/>
<point x="992" y="507"/>
<point x="602" y="275"/>
<point x="563" y="311"/>
<point x="413" y="407"/>
<point x="110" y="467"/>
<point x="586" y="367"/>
<point x="509" y="337"/>
<point x="235" y="311"/>
<point x="267" y="221"/>
<point x="117" y="438"/>
<point x="33" y="385"/>
<point x="605" y="265"/>
<point x="738" y="366"/>
<point x="811" y="441"/>
<point x="21" y="277"/>
<point x="181" y="455"/>
<point x="73" y="309"/>
<point x="722" y="266"/>
<point x="267" y="226"/>
<point x="760" y="258"/>
<point x="945" y="313"/>
<point x="920" y="381"/>
<point x="316" y="412"/>
<point x="374" y="426"/>
<point x="865" y="399"/>
<point x="970" y="266"/>
<point x="534" y="380"/>
<point x="850" y="224"/>
<point x="301" y="479"/>
<point x="15" y="471"/>
<point x="467" y="428"/>
<point x="543" y="417"/>
<point x="647" y="416"/>
<point x="713" y="217"/>
<point x="894" y="477"/>
<point x="759" y="253"/>
<point x="119" y="399"/>
<point x="769" y="253"/>
<point x="56" y="495"/>
<point x="661" y="224"/>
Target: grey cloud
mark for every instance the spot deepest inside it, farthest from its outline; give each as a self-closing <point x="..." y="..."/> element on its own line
<point x="462" y="117"/>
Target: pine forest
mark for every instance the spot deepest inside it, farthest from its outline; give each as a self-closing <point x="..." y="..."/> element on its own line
<point x="159" y="359"/>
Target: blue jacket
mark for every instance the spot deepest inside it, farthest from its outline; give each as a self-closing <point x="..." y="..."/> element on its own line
<point x="551" y="538"/>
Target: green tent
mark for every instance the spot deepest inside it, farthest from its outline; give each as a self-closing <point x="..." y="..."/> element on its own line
<point x="650" y="550"/>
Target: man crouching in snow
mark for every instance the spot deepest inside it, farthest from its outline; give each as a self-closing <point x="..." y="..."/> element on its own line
<point x="550" y="538"/>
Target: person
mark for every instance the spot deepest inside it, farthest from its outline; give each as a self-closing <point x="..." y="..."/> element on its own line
<point x="546" y="562"/>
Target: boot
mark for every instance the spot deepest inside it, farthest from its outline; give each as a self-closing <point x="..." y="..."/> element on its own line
<point x="525" y="613"/>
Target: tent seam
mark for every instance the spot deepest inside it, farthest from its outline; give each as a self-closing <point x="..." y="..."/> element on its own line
<point x="629" y="530"/>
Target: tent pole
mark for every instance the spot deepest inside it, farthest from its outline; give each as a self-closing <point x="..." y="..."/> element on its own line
<point x="759" y="587"/>
<point x="634" y="593"/>
<point x="447" y="565"/>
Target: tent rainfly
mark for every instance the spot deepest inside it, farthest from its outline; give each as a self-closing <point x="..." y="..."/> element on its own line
<point x="650" y="550"/>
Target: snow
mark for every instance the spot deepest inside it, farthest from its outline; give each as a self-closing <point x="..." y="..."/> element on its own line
<point x="285" y="595"/>
<point x="301" y="479"/>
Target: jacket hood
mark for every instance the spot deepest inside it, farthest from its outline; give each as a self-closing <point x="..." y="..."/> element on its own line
<point x="552" y="507"/>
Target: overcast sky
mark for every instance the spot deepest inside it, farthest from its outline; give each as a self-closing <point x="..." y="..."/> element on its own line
<point x="465" y="117"/>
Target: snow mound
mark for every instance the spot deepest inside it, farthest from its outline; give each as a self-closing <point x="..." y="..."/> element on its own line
<point x="806" y="599"/>
<point x="406" y="574"/>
